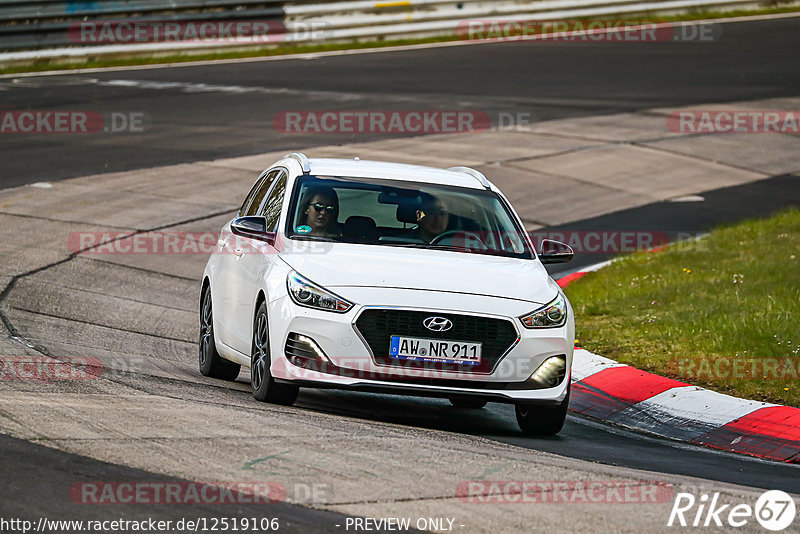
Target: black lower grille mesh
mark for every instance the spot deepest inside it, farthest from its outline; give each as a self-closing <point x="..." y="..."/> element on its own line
<point x="377" y="326"/>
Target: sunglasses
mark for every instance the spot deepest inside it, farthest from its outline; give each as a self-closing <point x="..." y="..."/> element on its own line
<point x="319" y="206"/>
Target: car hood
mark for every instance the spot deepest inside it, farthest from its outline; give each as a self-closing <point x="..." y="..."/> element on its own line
<point x="348" y="265"/>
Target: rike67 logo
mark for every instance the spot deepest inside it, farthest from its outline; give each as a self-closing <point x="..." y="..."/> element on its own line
<point x="774" y="510"/>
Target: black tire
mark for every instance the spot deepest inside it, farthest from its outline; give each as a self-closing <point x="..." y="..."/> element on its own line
<point x="265" y="389"/>
<point x="542" y="420"/>
<point x="468" y="403"/>
<point x="210" y="362"/>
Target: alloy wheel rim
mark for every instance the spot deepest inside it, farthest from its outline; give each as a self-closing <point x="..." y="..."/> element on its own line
<point x="258" y="364"/>
<point x="206" y="329"/>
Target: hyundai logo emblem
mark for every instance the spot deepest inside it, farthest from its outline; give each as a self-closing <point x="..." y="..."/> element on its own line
<point x="438" y="324"/>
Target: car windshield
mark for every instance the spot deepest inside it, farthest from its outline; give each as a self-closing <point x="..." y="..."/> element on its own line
<point x="388" y="213"/>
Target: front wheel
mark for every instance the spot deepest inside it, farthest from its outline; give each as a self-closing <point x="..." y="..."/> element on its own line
<point x="210" y="362"/>
<point x="542" y="420"/>
<point x="265" y="389"/>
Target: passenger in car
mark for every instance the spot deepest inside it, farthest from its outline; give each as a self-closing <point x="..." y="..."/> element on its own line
<point x="321" y="210"/>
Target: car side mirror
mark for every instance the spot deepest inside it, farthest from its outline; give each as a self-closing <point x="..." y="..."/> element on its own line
<point x="254" y="227"/>
<point x="555" y="252"/>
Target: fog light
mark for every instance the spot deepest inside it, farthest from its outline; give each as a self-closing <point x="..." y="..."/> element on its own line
<point x="300" y="348"/>
<point x="551" y="372"/>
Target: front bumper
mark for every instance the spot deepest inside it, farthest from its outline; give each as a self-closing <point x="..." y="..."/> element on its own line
<point x="544" y="397"/>
<point x="349" y="362"/>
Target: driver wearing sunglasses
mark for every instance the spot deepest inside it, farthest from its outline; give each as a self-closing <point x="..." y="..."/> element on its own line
<point x="321" y="210"/>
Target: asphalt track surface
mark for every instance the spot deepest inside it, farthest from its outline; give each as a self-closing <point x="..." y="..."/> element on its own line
<point x="752" y="60"/>
<point x="205" y="112"/>
<point x="45" y="476"/>
<point x="686" y="220"/>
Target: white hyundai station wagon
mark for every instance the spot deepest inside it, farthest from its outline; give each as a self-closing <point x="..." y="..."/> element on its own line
<point x="387" y="278"/>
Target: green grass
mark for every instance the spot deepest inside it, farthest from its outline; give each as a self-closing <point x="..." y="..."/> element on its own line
<point x="150" y="58"/>
<point x="734" y="294"/>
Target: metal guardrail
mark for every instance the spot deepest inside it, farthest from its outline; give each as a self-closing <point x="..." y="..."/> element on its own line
<point x="36" y="29"/>
<point x="32" y="24"/>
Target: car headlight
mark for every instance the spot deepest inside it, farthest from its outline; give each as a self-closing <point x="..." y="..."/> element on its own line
<point x="551" y="315"/>
<point x="306" y="293"/>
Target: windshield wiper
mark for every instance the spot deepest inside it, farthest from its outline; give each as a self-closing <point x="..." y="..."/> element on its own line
<point x="426" y="246"/>
<point x="316" y="238"/>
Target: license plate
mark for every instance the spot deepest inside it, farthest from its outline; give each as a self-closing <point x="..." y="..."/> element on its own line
<point x="435" y="350"/>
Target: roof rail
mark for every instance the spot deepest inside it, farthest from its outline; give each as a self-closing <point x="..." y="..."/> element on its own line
<point x="300" y="158"/>
<point x="475" y="174"/>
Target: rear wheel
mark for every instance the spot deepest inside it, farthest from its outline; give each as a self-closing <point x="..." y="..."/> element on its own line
<point x="542" y="420"/>
<point x="265" y="388"/>
<point x="470" y="403"/>
<point x="211" y="363"/>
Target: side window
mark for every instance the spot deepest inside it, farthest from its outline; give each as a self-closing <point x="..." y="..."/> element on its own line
<point x="272" y="207"/>
<point x="249" y="198"/>
<point x="253" y="200"/>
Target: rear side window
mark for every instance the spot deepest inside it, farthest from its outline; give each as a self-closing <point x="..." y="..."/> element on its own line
<point x="257" y="193"/>
<point x="272" y="207"/>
